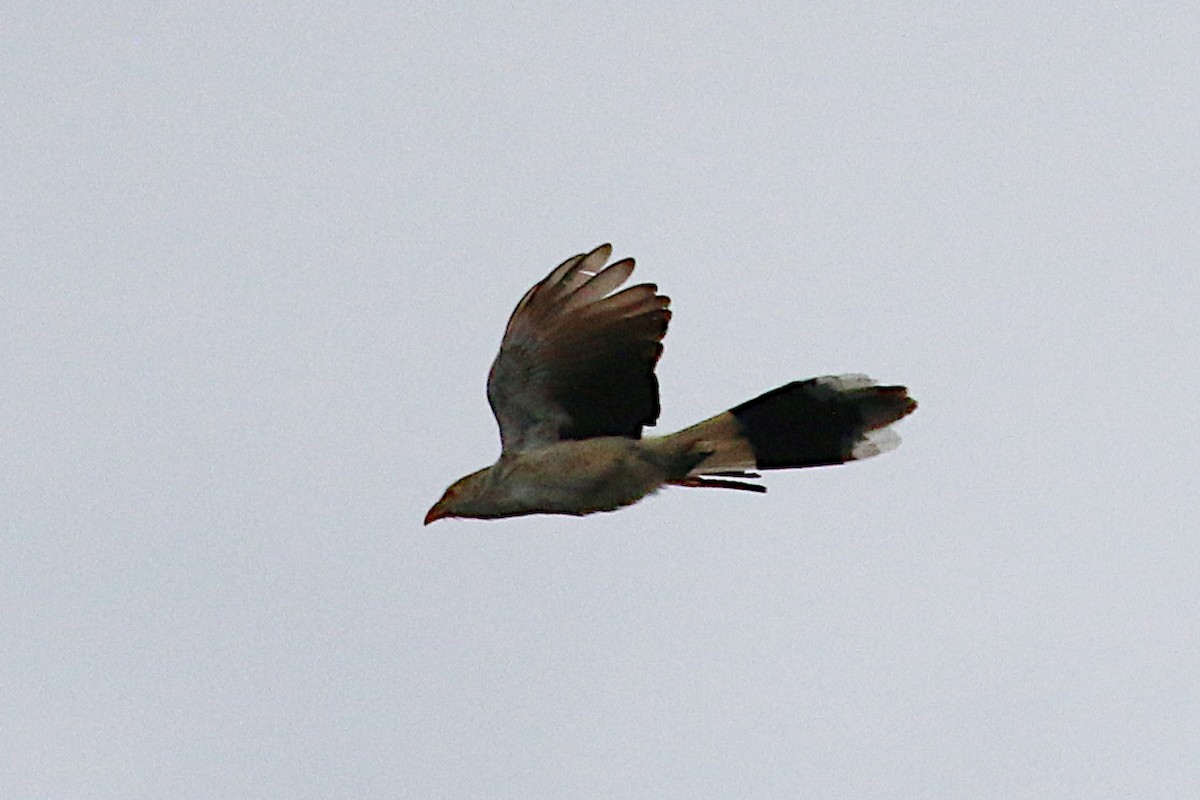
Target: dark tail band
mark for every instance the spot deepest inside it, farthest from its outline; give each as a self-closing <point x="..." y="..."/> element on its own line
<point x="822" y="421"/>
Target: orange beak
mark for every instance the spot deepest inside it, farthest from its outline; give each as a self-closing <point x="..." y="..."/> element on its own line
<point x="436" y="513"/>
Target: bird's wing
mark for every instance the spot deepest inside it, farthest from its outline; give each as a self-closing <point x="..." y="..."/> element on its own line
<point x="577" y="361"/>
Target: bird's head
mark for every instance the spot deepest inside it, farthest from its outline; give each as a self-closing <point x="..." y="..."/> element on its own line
<point x="469" y="496"/>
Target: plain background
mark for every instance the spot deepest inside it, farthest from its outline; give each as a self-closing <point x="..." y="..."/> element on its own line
<point x="256" y="262"/>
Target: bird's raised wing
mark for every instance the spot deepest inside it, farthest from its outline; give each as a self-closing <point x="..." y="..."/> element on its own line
<point x="577" y="361"/>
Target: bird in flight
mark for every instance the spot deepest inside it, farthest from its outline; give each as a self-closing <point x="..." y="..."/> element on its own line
<point x="573" y="385"/>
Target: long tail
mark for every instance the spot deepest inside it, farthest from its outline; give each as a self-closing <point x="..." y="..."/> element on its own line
<point x="812" y="423"/>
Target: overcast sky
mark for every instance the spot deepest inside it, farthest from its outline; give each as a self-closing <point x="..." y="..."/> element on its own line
<point x="256" y="261"/>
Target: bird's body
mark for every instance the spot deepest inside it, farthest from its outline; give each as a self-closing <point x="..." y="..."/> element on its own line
<point x="574" y="384"/>
<point x="608" y="471"/>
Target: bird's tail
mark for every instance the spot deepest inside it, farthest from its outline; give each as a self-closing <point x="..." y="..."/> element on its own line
<point x="812" y="423"/>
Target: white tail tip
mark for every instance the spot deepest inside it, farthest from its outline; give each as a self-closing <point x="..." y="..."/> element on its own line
<point x="875" y="442"/>
<point x="845" y="383"/>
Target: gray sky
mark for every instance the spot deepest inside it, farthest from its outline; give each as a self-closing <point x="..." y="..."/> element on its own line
<point x="256" y="262"/>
